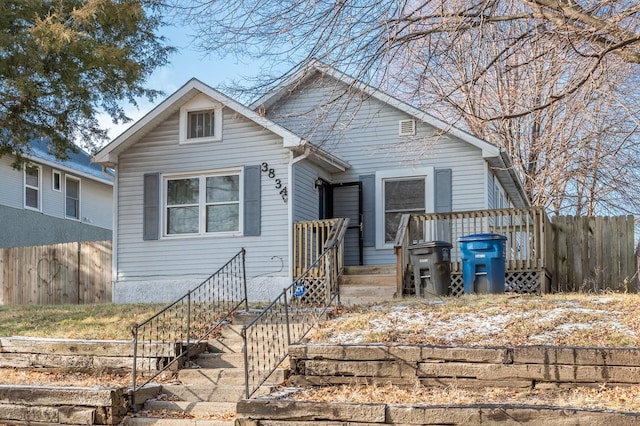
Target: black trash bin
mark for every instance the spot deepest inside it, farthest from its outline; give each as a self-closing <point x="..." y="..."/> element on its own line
<point x="431" y="267"/>
<point x="483" y="263"/>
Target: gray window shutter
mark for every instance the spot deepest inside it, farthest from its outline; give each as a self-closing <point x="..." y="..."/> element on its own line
<point x="443" y="203"/>
<point x="252" y="191"/>
<point x="151" y="206"/>
<point x="368" y="210"/>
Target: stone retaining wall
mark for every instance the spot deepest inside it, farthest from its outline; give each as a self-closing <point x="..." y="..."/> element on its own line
<point x="70" y="405"/>
<point x="429" y="365"/>
<point x="520" y="367"/>
<point x="266" y="412"/>
<point x="81" y="355"/>
<point x="60" y="405"/>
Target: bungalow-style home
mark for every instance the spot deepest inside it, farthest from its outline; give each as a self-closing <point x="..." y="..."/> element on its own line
<point x="53" y="201"/>
<point x="202" y="176"/>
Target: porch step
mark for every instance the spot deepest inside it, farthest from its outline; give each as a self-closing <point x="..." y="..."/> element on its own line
<point x="367" y="280"/>
<point x="367" y="284"/>
<point x="370" y="270"/>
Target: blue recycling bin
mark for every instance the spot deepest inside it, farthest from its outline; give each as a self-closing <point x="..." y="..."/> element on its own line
<point x="483" y="263"/>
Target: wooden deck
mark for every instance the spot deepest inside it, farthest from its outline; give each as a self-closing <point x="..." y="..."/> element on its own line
<point x="528" y="248"/>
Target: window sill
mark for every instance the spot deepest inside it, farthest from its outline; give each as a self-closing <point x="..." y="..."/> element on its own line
<point x="208" y="235"/>
<point x="192" y="141"/>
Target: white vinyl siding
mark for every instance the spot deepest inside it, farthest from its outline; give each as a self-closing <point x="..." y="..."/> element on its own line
<point x="370" y="143"/>
<point x="305" y="197"/>
<point x="244" y="143"/>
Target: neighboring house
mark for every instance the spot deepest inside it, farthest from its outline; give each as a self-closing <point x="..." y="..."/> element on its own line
<point x="53" y="201"/>
<point x="202" y="176"/>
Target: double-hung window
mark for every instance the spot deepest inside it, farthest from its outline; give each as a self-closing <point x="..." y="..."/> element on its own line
<point x="400" y="192"/>
<point x="203" y="204"/>
<point x="32" y="183"/>
<point x="72" y="198"/>
<point x="401" y="196"/>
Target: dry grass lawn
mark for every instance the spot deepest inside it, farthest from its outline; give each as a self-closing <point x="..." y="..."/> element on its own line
<point x="611" y="320"/>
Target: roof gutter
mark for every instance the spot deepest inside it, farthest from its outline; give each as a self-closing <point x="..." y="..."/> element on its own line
<point x="508" y="166"/>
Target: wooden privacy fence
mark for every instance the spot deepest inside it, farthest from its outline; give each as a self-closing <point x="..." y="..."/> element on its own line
<point x="74" y="273"/>
<point x="594" y="253"/>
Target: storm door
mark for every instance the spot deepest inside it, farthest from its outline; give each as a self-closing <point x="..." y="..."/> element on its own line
<point x="347" y="202"/>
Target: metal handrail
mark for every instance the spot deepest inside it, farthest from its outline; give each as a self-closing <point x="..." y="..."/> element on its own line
<point x="169" y="335"/>
<point x="291" y="315"/>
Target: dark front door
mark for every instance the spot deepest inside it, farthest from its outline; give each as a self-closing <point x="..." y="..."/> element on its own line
<point x="346" y="201"/>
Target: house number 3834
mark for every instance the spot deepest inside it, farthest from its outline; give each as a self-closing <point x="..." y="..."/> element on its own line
<point x="271" y="173"/>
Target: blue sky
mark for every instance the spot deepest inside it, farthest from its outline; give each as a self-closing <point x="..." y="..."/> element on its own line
<point x="184" y="64"/>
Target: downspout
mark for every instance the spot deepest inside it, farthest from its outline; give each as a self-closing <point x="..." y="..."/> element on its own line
<point x="114" y="233"/>
<point x="292" y="162"/>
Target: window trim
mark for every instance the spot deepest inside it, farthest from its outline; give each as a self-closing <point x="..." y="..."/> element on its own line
<point x="202" y="204"/>
<point x="197" y="105"/>
<point x="38" y="189"/>
<point x="77" y="179"/>
<point x="55" y="173"/>
<point x="381" y="176"/>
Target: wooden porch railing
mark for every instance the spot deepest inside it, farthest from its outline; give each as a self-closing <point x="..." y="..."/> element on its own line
<point x="309" y="240"/>
<point x="528" y="231"/>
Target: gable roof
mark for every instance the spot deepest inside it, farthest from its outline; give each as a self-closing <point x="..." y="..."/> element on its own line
<point x="496" y="156"/>
<point x="109" y="154"/>
<point x="78" y="163"/>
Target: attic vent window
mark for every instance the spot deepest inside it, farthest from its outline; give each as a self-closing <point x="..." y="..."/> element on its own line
<point x="200" y="124"/>
<point x="200" y="120"/>
<point x="407" y="127"/>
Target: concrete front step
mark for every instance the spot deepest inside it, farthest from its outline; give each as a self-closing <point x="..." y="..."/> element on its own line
<point x="209" y="393"/>
<point x="155" y="421"/>
<point x="230" y="340"/>
<point x="196" y="408"/>
<point x="367" y="284"/>
<point x="222" y="376"/>
<point x="220" y="360"/>
<point x="364" y="294"/>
